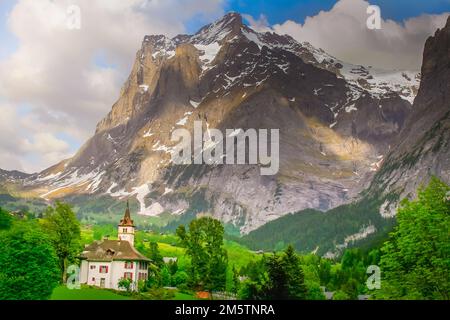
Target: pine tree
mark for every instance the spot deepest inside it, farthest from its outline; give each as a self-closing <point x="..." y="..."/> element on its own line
<point x="295" y="276"/>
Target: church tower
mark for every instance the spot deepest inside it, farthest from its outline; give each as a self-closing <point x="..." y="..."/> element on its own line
<point x="126" y="227"/>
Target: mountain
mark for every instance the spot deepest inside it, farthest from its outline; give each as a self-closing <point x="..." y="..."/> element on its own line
<point x="421" y="150"/>
<point x="423" y="145"/>
<point x="338" y="122"/>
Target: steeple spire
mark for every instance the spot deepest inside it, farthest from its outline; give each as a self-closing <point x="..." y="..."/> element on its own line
<point x="127" y="221"/>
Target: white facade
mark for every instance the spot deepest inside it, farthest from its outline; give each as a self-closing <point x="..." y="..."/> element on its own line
<point x="105" y="263"/>
<point x="107" y="274"/>
<point x="126" y="233"/>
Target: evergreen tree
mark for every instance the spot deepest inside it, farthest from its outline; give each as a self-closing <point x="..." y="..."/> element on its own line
<point x="277" y="288"/>
<point x="295" y="277"/>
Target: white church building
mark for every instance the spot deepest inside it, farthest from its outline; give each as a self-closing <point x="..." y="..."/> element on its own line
<point x="104" y="263"/>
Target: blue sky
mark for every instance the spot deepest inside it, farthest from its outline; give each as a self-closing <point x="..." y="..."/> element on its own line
<point x="278" y="11"/>
<point x="8" y="43"/>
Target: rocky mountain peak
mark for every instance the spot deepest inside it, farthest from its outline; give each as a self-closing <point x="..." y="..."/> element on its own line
<point x="436" y="57"/>
<point x="336" y="123"/>
<point x="423" y="145"/>
<point x="228" y="26"/>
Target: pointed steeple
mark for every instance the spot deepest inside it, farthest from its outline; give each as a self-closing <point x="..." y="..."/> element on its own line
<point x="127" y="221"/>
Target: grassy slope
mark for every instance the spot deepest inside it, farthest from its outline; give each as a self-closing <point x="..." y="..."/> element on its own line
<point x="85" y="293"/>
<point x="311" y="230"/>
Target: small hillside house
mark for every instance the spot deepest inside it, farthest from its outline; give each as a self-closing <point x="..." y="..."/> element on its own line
<point x="104" y="263"/>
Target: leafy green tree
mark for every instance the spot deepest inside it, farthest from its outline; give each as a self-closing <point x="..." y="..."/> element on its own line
<point x="217" y="274"/>
<point x="340" y="295"/>
<point x="100" y="231"/>
<point x="155" y="255"/>
<point x="204" y="245"/>
<point x="255" y="270"/>
<point x="314" y="291"/>
<point x="173" y="267"/>
<point x="415" y="260"/>
<point x="125" y="283"/>
<point x="142" y="286"/>
<point x="236" y="281"/>
<point x="324" y="271"/>
<point x="5" y="220"/>
<point x="165" y="277"/>
<point x="255" y="280"/>
<point x="351" y="288"/>
<point x="252" y="290"/>
<point x="154" y="276"/>
<point x="180" y="278"/>
<point x="64" y="229"/>
<point x="28" y="264"/>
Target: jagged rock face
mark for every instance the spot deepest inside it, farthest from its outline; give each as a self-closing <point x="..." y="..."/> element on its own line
<point x="423" y="148"/>
<point x="337" y="121"/>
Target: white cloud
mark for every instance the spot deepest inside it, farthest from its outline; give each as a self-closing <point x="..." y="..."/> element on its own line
<point x="24" y="146"/>
<point x="260" y="25"/>
<point x="54" y="69"/>
<point x="343" y="32"/>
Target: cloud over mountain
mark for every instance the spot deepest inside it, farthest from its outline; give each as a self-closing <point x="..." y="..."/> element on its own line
<point x="343" y="32"/>
<point x="68" y="79"/>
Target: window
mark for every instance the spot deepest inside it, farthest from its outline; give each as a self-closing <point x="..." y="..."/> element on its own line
<point x="93" y="279"/>
<point x="103" y="269"/>
<point x="142" y="276"/>
<point x="92" y="267"/>
<point x="128" y="275"/>
<point x="129" y="265"/>
<point x="124" y="230"/>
